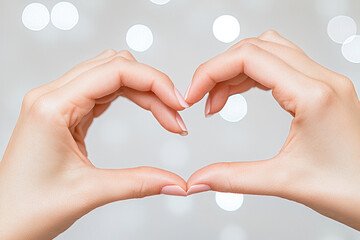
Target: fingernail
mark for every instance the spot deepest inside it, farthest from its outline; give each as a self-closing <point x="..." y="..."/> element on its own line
<point x="198" y="189"/>
<point x="181" y="125"/>
<point x="187" y="91"/>
<point x="181" y="99"/>
<point x="207" y="108"/>
<point x="173" y="190"/>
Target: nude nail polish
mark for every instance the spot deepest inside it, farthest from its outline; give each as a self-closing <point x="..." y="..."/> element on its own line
<point x="181" y="99"/>
<point x="181" y="125"/>
<point x="198" y="189"/>
<point x="173" y="190"/>
<point x="207" y="108"/>
<point x="187" y="91"/>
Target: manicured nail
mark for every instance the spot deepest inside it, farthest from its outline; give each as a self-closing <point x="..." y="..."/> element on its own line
<point x="187" y="91"/>
<point x="173" y="190"/>
<point x="207" y="108"/>
<point x="181" y="99"/>
<point x="198" y="189"/>
<point x="181" y="125"/>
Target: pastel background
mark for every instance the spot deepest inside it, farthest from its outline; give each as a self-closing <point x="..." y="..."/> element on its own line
<point x="126" y="136"/>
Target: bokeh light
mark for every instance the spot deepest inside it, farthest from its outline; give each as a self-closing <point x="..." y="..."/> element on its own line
<point x="341" y="28"/>
<point x="229" y="201"/>
<point x="139" y="38"/>
<point x="351" y="49"/>
<point x="160" y="2"/>
<point x="235" y="108"/>
<point x="64" y="16"/>
<point x="226" y="28"/>
<point x="35" y="16"/>
<point x="232" y="232"/>
<point x="178" y="205"/>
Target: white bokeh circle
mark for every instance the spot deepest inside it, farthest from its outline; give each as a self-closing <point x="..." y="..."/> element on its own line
<point x="226" y="28"/>
<point x="139" y="38"/>
<point x="341" y="28"/>
<point x="160" y="2"/>
<point x="229" y="201"/>
<point x="35" y="16"/>
<point x="235" y="108"/>
<point x="351" y="49"/>
<point x="232" y="232"/>
<point x="64" y="16"/>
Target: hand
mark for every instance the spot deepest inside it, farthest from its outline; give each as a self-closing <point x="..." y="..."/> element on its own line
<point x="46" y="180"/>
<point x="319" y="164"/>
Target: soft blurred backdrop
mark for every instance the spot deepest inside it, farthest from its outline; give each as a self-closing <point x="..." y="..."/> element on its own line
<point x="126" y="136"/>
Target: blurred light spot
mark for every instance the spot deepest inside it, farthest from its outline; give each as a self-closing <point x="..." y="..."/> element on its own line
<point x="226" y="28"/>
<point x="232" y="232"/>
<point x="235" y="108"/>
<point x="229" y="201"/>
<point x="351" y="49"/>
<point x="178" y="205"/>
<point x="35" y="16"/>
<point x="139" y="38"/>
<point x="341" y="28"/>
<point x="64" y="16"/>
<point x="174" y="155"/>
<point x="160" y="2"/>
<point x="329" y="8"/>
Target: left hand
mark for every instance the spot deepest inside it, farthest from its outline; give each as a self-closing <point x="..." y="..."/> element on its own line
<point x="47" y="181"/>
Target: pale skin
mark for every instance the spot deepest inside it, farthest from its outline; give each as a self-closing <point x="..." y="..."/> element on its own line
<point x="45" y="175"/>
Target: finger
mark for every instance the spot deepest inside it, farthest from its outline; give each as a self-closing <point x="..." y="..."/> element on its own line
<point x="274" y="36"/>
<point x="108" y="78"/>
<point x="102" y="58"/>
<point x="258" y="178"/>
<point x="255" y="62"/>
<point x="106" y="186"/>
<point x="166" y="116"/>
<point x="76" y="71"/>
<point x="219" y="95"/>
<point x="294" y="58"/>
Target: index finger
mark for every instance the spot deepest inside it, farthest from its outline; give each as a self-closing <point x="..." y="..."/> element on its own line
<point x="108" y="78"/>
<point x="257" y="63"/>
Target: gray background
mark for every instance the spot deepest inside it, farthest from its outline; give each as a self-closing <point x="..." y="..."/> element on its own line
<point x="127" y="136"/>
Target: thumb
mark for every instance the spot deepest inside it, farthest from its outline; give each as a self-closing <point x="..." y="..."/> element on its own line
<point x="110" y="185"/>
<point x="259" y="178"/>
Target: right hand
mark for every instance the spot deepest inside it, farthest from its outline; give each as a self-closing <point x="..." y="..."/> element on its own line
<point x="319" y="164"/>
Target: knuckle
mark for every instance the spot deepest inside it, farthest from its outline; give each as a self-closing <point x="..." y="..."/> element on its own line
<point x="347" y="85"/>
<point x="30" y="98"/>
<point x="250" y="41"/>
<point x="140" y="190"/>
<point x="246" y="41"/>
<point x="270" y="33"/>
<point x="44" y="108"/>
<point x="125" y="53"/>
<point x="109" y="52"/>
<point x="247" y="48"/>
<point x="323" y="94"/>
<point x="118" y="60"/>
<point x="201" y="70"/>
